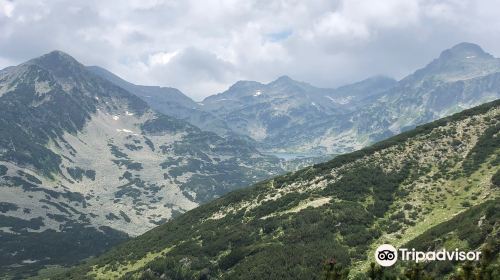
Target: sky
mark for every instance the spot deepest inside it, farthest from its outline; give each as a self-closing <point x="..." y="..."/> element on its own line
<point x="202" y="47"/>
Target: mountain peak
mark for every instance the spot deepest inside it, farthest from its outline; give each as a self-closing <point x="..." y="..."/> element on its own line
<point x="55" y="57"/>
<point x="462" y="61"/>
<point x="467" y="47"/>
<point x="464" y="51"/>
<point x="244" y="84"/>
<point x="59" y="53"/>
<point x="60" y="64"/>
<point x="287" y="82"/>
<point x="283" y="80"/>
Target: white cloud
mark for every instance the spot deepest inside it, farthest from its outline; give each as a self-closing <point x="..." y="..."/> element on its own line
<point x="337" y="25"/>
<point x="6" y="8"/>
<point x="387" y="13"/>
<point x="204" y="46"/>
<point x="161" y="58"/>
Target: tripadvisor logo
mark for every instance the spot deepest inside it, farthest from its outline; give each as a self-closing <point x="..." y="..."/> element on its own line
<point x="387" y="255"/>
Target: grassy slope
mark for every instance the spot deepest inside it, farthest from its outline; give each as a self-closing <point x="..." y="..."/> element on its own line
<point x="470" y="229"/>
<point x="393" y="191"/>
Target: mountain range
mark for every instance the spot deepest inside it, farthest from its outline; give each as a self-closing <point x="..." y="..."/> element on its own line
<point x="88" y="160"/>
<point x="290" y="117"/>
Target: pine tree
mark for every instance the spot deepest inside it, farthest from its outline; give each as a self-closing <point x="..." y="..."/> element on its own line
<point x="334" y="271"/>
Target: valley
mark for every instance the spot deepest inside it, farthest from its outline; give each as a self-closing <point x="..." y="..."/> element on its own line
<point x="405" y="190"/>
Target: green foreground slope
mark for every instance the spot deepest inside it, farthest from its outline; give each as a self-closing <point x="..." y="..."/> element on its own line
<point x="420" y="187"/>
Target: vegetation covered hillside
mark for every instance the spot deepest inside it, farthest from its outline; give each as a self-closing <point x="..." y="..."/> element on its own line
<point x="434" y="186"/>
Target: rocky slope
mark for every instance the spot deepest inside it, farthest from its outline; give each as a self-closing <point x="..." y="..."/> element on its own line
<point x="171" y="102"/>
<point x="84" y="162"/>
<point x="295" y="117"/>
<point x="437" y="186"/>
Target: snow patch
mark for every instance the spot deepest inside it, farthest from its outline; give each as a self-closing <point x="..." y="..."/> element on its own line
<point x="257" y="93"/>
<point x="7" y="230"/>
<point x="124" y="130"/>
<point x="128" y="113"/>
<point x="116" y="118"/>
<point x="469" y="57"/>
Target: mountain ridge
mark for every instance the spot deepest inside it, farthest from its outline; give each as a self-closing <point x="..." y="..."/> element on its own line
<point x="170" y="101"/>
<point x="286" y="116"/>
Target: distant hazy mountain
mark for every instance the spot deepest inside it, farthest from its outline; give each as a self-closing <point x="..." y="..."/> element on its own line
<point x="462" y="77"/>
<point x="83" y="161"/>
<point x="170" y="101"/>
<point x="432" y="188"/>
<point x="295" y="117"/>
<point x="269" y="112"/>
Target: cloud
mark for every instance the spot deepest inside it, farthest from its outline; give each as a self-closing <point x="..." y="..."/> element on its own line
<point x="6" y="8"/>
<point x="161" y="58"/>
<point x="196" y="71"/>
<point x="202" y="47"/>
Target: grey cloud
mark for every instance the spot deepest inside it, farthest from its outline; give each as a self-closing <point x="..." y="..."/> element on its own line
<point x="215" y="43"/>
<point x="191" y="68"/>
